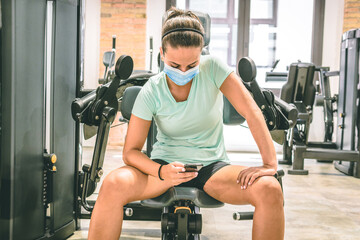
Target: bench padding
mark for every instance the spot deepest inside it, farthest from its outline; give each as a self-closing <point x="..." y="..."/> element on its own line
<point x="197" y="196"/>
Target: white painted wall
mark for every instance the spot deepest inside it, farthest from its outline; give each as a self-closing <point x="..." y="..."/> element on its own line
<point x="154" y="11"/>
<point x="92" y="43"/>
<point x="333" y="29"/>
<point x="294" y="32"/>
<point x="91" y="51"/>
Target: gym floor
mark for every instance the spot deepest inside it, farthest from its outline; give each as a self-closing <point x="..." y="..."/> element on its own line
<point x="322" y="205"/>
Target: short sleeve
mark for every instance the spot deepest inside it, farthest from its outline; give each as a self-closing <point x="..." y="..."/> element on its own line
<point x="144" y="106"/>
<point x="219" y="71"/>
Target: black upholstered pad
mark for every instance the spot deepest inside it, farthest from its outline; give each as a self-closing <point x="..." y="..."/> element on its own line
<point x="197" y="196"/>
<point x="128" y="101"/>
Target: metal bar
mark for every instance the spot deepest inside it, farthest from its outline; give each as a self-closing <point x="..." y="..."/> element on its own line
<point x="48" y="56"/>
<point x="139" y="212"/>
<point x="243" y="216"/>
<point x="327" y="145"/>
<point x="318" y="32"/>
<point x="100" y="145"/>
<point x="169" y="4"/>
<point x="330" y="154"/>
<point x="332" y="74"/>
<point x="230" y="20"/>
<point x="243" y="29"/>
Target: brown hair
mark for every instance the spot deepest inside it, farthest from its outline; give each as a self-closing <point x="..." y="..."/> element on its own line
<point x="178" y="19"/>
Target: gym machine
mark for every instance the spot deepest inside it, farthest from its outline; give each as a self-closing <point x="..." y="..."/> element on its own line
<point x="37" y="164"/>
<point x="300" y="90"/>
<point x="179" y="208"/>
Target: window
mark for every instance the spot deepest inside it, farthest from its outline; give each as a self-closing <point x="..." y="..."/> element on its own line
<point x="262" y="42"/>
<point x="223" y="15"/>
<point x="278" y="29"/>
<point x="224" y="22"/>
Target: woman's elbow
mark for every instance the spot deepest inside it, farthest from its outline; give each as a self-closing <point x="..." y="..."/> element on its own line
<point x="125" y="157"/>
<point x="129" y="155"/>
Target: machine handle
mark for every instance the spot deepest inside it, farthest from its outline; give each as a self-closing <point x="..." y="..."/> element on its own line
<point x="238" y="216"/>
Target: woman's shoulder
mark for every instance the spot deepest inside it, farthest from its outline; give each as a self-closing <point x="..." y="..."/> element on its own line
<point x="204" y="59"/>
<point x="208" y="60"/>
<point x="154" y="81"/>
<point x="157" y="79"/>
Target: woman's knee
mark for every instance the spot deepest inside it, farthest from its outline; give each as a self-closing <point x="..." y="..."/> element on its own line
<point x="268" y="191"/>
<point x="118" y="184"/>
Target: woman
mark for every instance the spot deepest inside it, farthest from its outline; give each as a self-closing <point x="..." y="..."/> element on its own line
<point x="185" y="100"/>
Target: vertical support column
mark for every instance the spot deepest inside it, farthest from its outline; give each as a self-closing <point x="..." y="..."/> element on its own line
<point x="348" y="98"/>
<point x="243" y="29"/>
<point x="63" y="127"/>
<point x="169" y="4"/>
<point x="298" y="165"/>
<point x="318" y="32"/>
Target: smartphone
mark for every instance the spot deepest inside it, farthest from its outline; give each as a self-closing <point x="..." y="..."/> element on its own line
<point x="193" y="167"/>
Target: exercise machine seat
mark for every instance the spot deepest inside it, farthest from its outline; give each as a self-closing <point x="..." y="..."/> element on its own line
<point x="195" y="195"/>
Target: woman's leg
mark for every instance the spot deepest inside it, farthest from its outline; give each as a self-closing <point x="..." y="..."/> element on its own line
<point x="120" y="187"/>
<point x="264" y="194"/>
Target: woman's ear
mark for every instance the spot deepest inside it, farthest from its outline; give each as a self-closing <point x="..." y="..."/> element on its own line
<point x="162" y="54"/>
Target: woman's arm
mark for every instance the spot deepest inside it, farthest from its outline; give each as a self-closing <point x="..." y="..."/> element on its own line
<point x="235" y="91"/>
<point x="132" y="155"/>
<point x="134" y="141"/>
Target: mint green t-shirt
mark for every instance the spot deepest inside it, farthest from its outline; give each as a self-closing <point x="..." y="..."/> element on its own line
<point x="189" y="131"/>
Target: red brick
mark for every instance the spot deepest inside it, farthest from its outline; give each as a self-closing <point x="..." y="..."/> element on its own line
<point x="351" y="15"/>
<point x="127" y="20"/>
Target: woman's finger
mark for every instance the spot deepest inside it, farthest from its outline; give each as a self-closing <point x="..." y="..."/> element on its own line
<point x="187" y="175"/>
<point x="245" y="172"/>
<point x="177" y="164"/>
<point x="253" y="178"/>
<point x="184" y="177"/>
<point x="247" y="179"/>
<point x="241" y="173"/>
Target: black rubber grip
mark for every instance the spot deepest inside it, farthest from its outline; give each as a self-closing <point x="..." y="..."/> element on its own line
<point x="238" y="216"/>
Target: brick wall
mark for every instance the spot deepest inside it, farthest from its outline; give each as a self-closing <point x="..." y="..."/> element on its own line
<point x="127" y="20"/>
<point x="351" y="15"/>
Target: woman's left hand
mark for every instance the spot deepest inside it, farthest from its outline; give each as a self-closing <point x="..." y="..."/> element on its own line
<point x="247" y="176"/>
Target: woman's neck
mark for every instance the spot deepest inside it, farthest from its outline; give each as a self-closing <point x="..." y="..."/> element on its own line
<point x="180" y="93"/>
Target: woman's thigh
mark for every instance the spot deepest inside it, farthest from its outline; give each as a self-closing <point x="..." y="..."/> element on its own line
<point x="223" y="186"/>
<point x="133" y="185"/>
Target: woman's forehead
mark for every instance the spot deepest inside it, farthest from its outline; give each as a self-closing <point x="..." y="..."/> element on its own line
<point x="183" y="55"/>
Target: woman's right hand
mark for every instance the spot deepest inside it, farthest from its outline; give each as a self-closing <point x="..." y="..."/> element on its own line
<point x="175" y="174"/>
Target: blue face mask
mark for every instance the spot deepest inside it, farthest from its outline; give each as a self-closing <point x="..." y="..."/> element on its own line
<point x="179" y="77"/>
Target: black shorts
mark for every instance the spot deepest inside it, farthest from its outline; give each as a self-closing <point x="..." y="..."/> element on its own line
<point x="203" y="175"/>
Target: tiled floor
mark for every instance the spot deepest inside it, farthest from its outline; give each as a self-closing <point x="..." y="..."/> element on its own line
<point x="322" y="205"/>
